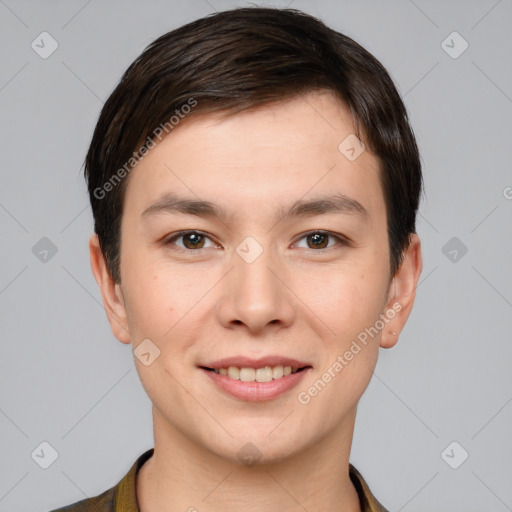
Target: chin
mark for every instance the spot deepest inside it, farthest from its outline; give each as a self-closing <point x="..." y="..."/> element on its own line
<point x="260" y="445"/>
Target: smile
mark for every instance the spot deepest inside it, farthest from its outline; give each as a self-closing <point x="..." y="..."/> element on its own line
<point x="250" y="379"/>
<point x="264" y="374"/>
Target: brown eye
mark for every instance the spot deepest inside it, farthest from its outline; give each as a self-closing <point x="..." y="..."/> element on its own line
<point x="191" y="240"/>
<point x="320" y="240"/>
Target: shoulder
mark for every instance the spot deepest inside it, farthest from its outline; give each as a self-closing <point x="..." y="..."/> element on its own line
<point x="121" y="496"/>
<point x="369" y="503"/>
<point x="104" y="502"/>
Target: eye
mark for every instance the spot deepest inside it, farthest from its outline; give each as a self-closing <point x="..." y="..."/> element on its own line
<point x="319" y="239"/>
<point x="194" y="240"/>
<point x="191" y="240"/>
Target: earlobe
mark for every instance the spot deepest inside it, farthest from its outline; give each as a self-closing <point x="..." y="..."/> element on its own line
<point x="402" y="292"/>
<point x="111" y="293"/>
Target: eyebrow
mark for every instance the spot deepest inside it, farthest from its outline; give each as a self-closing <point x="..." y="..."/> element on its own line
<point x="336" y="203"/>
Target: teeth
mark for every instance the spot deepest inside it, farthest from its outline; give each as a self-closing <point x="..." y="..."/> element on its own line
<point x="247" y="374"/>
<point x="265" y="374"/>
<point x="277" y="372"/>
<point x="234" y="372"/>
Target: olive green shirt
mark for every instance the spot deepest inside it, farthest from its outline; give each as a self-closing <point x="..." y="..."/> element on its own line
<point x="122" y="497"/>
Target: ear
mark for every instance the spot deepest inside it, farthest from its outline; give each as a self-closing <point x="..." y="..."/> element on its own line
<point x="111" y="292"/>
<point x="402" y="292"/>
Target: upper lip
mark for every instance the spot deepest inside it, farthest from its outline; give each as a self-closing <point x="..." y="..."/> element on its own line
<point x="247" y="362"/>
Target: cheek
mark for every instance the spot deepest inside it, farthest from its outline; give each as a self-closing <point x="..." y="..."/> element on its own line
<point x="350" y="304"/>
<point x="149" y="309"/>
<point x="348" y="297"/>
<point x="164" y="301"/>
<point x="158" y="313"/>
<point x="151" y="301"/>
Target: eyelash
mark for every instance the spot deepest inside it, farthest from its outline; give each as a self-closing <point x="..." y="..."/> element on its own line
<point x="339" y="238"/>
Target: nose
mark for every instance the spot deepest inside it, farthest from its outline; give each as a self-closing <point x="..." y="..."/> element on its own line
<point x="255" y="294"/>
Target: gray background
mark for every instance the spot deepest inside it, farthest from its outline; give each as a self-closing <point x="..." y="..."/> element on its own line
<point x="67" y="381"/>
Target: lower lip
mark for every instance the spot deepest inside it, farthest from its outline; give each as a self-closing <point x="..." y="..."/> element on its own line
<point x="256" y="391"/>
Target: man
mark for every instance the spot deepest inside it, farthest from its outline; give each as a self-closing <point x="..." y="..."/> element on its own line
<point x="254" y="182"/>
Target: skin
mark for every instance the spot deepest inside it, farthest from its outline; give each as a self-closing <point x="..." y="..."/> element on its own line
<point x="295" y="300"/>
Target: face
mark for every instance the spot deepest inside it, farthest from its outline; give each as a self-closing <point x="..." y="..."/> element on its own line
<point x="288" y="260"/>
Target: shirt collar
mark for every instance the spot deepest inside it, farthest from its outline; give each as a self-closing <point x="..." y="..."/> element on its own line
<point x="126" y="496"/>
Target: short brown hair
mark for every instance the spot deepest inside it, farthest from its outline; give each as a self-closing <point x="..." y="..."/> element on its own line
<point x="242" y="59"/>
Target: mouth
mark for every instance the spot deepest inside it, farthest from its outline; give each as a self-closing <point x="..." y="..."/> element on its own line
<point x="261" y="374"/>
<point x="255" y="380"/>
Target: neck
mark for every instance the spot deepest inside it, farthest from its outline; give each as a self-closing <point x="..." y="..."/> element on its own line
<point x="183" y="475"/>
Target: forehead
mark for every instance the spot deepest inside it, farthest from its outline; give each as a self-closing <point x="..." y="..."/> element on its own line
<point x="275" y="154"/>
